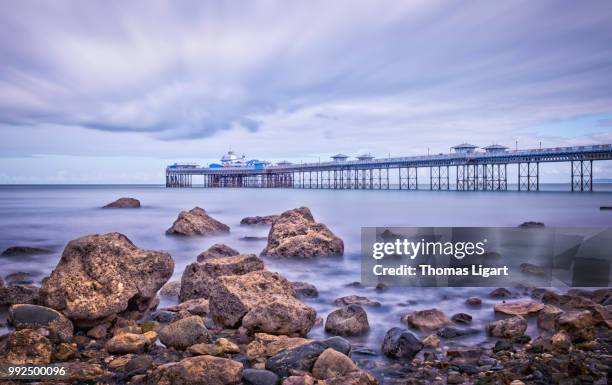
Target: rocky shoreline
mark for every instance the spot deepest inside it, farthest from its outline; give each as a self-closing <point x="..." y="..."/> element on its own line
<point x="237" y="323"/>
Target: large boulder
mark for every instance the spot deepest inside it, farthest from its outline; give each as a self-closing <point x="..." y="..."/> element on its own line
<point x="259" y="377"/>
<point x="198" y="278"/>
<point x="99" y="276"/>
<point x="124" y="203"/>
<point x="427" y="320"/>
<point x="400" y="343"/>
<point x="18" y="294"/>
<point x="26" y="347"/>
<point x="332" y="363"/>
<point x="350" y="320"/>
<point x="218" y="250"/>
<point x="257" y="220"/>
<point x="296" y="234"/>
<point x="577" y="323"/>
<point x="200" y="370"/>
<point x="280" y="314"/>
<point x="302" y="358"/>
<point x="508" y="328"/>
<point x="25" y="316"/>
<point x="196" y="222"/>
<point x="184" y="333"/>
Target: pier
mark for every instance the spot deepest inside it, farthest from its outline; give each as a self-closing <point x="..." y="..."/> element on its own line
<point x="467" y="168"/>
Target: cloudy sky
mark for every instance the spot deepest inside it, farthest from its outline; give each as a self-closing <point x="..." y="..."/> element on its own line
<point x="112" y="91"/>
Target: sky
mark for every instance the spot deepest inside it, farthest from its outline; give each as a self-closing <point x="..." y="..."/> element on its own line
<point x="112" y="91"/>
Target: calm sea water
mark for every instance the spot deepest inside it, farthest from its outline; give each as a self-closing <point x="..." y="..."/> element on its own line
<point x="50" y="216"/>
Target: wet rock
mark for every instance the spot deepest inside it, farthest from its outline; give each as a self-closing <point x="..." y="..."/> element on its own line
<point x="303" y="357"/>
<point x="127" y="343"/>
<point x="26" y="347"/>
<point x="171" y="289"/>
<point x="359" y="377"/>
<point x="508" y="328"/>
<point x="431" y="341"/>
<point x="25" y="316"/>
<point x="196" y="222"/>
<point x="259" y="377"/>
<point x="267" y="345"/>
<point x="164" y="316"/>
<point x="198" y="278"/>
<point x="220" y="347"/>
<point x="305" y="289"/>
<point x="523" y="307"/>
<point x="18" y="294"/>
<point x="332" y="363"/>
<point x="529" y="268"/>
<point x="19" y="278"/>
<point x="532" y="224"/>
<point x="298" y="380"/>
<point x="234" y="296"/>
<point x="139" y="365"/>
<point x="462" y="318"/>
<point x="426" y="320"/>
<point x="547" y="317"/>
<point x="350" y="320"/>
<point x="296" y="234"/>
<point x="500" y="293"/>
<point x="355" y="300"/>
<point x="400" y="343"/>
<point x="257" y="220"/>
<point x="99" y="276"/>
<point x="25" y="250"/>
<point x="218" y="250"/>
<point x="280" y="314"/>
<point x="200" y="370"/>
<point x="124" y="203"/>
<point x="503" y="345"/>
<point x="185" y="332"/>
<point x="577" y="323"/>
<point x="449" y="332"/>
<point x="199" y="306"/>
<point x="473" y="301"/>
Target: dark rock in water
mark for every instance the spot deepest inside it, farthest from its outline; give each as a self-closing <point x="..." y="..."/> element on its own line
<point x="26" y="347"/>
<point x="259" y="377"/>
<point x="1" y="282"/>
<point x="449" y="332"/>
<point x="19" y="278"/>
<point x="355" y="300"/>
<point x="531" y="224"/>
<point x="196" y="222"/>
<point x="529" y="268"/>
<point x="124" y="203"/>
<point x="356" y="285"/>
<point x="400" y="343"/>
<point x="257" y="220"/>
<point x="200" y="370"/>
<point x="500" y="293"/>
<point x="218" y="250"/>
<point x="473" y="301"/>
<point x="18" y="294"/>
<point x="296" y="234"/>
<point x="185" y="332"/>
<point x="108" y="274"/>
<point x="305" y="289"/>
<point x="605" y="207"/>
<point x="34" y="317"/>
<point x="25" y="250"/>
<point x="350" y="320"/>
<point x="251" y="238"/>
<point x="502" y="345"/>
<point x="380" y="287"/>
<point x="462" y="318"/>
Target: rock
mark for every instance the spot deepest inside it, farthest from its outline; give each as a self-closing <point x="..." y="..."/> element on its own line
<point x="164" y="316"/>
<point x="99" y="276"/>
<point x="547" y="317"/>
<point x="259" y="377"/>
<point x="218" y="250"/>
<point x="517" y="382"/>
<point x="185" y="332"/>
<point x="531" y="224"/>
<point x="350" y="320"/>
<point x="257" y="220"/>
<point x="200" y="370"/>
<point x="332" y="363"/>
<point x="561" y="341"/>
<point x="267" y="345"/>
<point x="234" y="296"/>
<point x="99" y="331"/>
<point x="454" y="378"/>
<point x="78" y="372"/>
<point x="127" y="343"/>
<point x="500" y="293"/>
<point x="303" y="357"/>
<point x="529" y="268"/>
<point x="124" y="203"/>
<point x="24" y="250"/>
<point x="19" y="278"/>
<point x="196" y="222"/>
<point x="355" y="300"/>
<point x="199" y="306"/>
<point x="400" y="343"/>
<point x="18" y="294"/>
<point x="198" y="278"/>
<point x="305" y="289"/>
<point x="1" y="282"/>
<point x="221" y="347"/>
<point x="25" y="316"/>
<point x="462" y="318"/>
<point x="26" y="347"/>
<point x="65" y="352"/>
<point x="171" y="289"/>
<point x="296" y="234"/>
<point x="298" y="380"/>
<point x="280" y="314"/>
<point x="139" y="365"/>
<point x="577" y="323"/>
<point x="449" y="332"/>
<point x="508" y="328"/>
<point x="151" y="336"/>
<point x="431" y="341"/>
<point x="353" y="378"/>
<point x="426" y="320"/>
<point x="473" y="301"/>
<point x="522" y="307"/>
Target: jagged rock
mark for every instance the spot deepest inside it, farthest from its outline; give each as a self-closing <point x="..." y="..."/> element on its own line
<point x="303" y="357"/>
<point x="547" y="317"/>
<point x="267" y="345"/>
<point x="198" y="278"/>
<point x="200" y="370"/>
<point x="199" y="306"/>
<point x="305" y="289"/>
<point x="99" y="276"/>
<point x="500" y="293"/>
<point x="280" y="314"/>
<point x="127" y="343"/>
<point x="218" y="250"/>
<point x="124" y="203"/>
<point x="427" y="320"/>
<point x="400" y="343"/>
<point x="171" y="289"/>
<point x="332" y="363"/>
<point x="508" y="328"/>
<point x="185" y="332"/>
<point x="577" y="323"/>
<point x="196" y="222"/>
<point x="296" y="234"/>
<point x="18" y="294"/>
<point x="25" y="250"/>
<point x="355" y="300"/>
<point x="19" y="278"/>
<point x="350" y="320"/>
<point x="26" y="347"/>
<point x="257" y="220"/>
<point x="523" y="307"/>
<point x="259" y="377"/>
<point x="462" y="318"/>
<point x="33" y="317"/>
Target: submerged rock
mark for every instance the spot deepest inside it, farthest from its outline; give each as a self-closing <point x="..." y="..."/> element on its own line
<point x="185" y="332"/>
<point x="218" y="250"/>
<point x="26" y="347"/>
<point x="296" y="234"/>
<point x="473" y="301"/>
<point x="200" y="370"/>
<point x="350" y="320"/>
<point x="99" y="276"/>
<point x="427" y="320"/>
<point x="24" y="316"/>
<point x="25" y="250"/>
<point x="400" y="343"/>
<point x="522" y="307"/>
<point x="124" y="203"/>
<point x="257" y="220"/>
<point x="305" y="289"/>
<point x="355" y="300"/>
<point x="196" y="222"/>
<point x="19" y="278"/>
<point x="508" y="328"/>
<point x="449" y="332"/>
<point x="532" y="224"/>
<point x="462" y="318"/>
<point x="18" y="294"/>
<point x="500" y="293"/>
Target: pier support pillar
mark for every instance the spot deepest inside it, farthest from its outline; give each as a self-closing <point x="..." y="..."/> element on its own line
<point x="582" y="175"/>
<point x="529" y="176"/>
